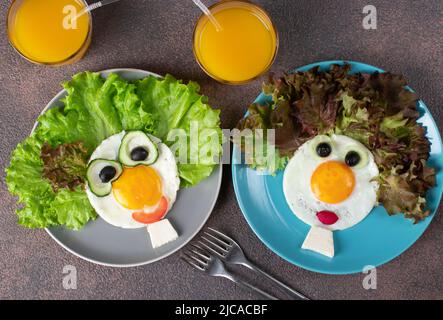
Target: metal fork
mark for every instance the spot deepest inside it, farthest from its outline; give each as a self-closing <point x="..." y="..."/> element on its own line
<point x="213" y="266"/>
<point x="230" y="252"/>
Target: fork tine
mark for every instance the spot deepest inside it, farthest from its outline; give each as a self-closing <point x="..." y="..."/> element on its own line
<point x="200" y="254"/>
<point x="223" y="236"/>
<point x="192" y="256"/>
<point x="197" y="246"/>
<point x="221" y="242"/>
<point x="218" y="254"/>
<point x="192" y="263"/>
<point x="212" y="243"/>
<point x="213" y="250"/>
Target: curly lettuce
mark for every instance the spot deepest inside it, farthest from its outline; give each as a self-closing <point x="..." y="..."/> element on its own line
<point x="376" y="109"/>
<point x="270" y="159"/>
<point x="45" y="172"/>
<point x="65" y="166"/>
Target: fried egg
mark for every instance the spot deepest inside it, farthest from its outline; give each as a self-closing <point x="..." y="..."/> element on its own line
<point x="142" y="194"/>
<point x="326" y="186"/>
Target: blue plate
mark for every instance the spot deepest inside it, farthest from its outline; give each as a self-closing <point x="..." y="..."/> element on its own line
<point x="376" y="240"/>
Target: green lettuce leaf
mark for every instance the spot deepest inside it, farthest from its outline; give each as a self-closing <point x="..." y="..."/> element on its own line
<point x="176" y="106"/>
<point x="131" y="109"/>
<point x="94" y="109"/>
<point x="40" y="206"/>
<point x="90" y="94"/>
<point x="72" y="208"/>
<point x="88" y="114"/>
<point x="269" y="157"/>
<point x="168" y="100"/>
<point x="24" y="180"/>
<point x="404" y="191"/>
<point x="352" y="119"/>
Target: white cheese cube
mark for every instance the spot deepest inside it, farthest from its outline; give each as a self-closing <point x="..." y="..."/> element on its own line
<point x="161" y="233"/>
<point x="320" y="240"/>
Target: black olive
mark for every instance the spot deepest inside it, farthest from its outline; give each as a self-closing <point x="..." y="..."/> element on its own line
<point x="352" y="158"/>
<point x="324" y="149"/>
<point x="139" y="154"/>
<point x="107" y="174"/>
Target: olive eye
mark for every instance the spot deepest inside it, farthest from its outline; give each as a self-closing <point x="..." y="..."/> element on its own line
<point x="352" y="158"/>
<point x="100" y="175"/>
<point x="356" y="157"/>
<point x="321" y="146"/>
<point x="323" y="149"/>
<point x="139" y="154"/>
<point x="107" y="174"/>
<point x="137" y="148"/>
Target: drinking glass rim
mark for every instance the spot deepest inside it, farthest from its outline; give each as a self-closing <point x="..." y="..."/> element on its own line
<point x="86" y="42"/>
<point x="271" y="62"/>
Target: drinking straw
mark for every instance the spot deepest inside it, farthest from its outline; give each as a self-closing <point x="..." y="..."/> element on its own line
<point x="208" y="13"/>
<point x="94" y="6"/>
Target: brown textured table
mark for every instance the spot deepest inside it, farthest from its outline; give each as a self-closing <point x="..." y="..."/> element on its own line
<point x="156" y="36"/>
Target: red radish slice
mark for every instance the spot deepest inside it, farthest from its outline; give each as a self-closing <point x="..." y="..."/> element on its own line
<point x="155" y="216"/>
<point x="327" y="217"/>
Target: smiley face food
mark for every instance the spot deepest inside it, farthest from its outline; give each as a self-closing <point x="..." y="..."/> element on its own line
<point x="346" y="143"/>
<point x="132" y="180"/>
<point x="105" y="152"/>
<point x="329" y="182"/>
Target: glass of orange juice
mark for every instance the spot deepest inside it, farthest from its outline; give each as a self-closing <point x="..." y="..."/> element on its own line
<point x="242" y="48"/>
<point x="50" y="32"/>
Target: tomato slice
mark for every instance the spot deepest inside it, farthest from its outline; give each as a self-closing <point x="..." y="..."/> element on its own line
<point x="155" y="216"/>
<point x="327" y="217"/>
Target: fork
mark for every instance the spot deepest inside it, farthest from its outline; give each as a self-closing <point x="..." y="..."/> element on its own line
<point x="229" y="251"/>
<point x="213" y="266"/>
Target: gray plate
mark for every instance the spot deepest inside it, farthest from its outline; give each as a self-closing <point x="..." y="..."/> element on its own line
<point x="102" y="243"/>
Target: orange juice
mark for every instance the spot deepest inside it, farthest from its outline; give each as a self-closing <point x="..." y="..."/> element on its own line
<point x="242" y="49"/>
<point x="47" y="31"/>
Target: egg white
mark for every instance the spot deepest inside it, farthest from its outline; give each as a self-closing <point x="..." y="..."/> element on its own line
<point x="303" y="202"/>
<point x="113" y="212"/>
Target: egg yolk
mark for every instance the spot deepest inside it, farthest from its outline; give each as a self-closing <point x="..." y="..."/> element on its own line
<point x="332" y="182"/>
<point x="137" y="188"/>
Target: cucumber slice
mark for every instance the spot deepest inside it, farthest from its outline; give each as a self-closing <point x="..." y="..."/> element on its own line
<point x="100" y="175"/>
<point x="136" y="149"/>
